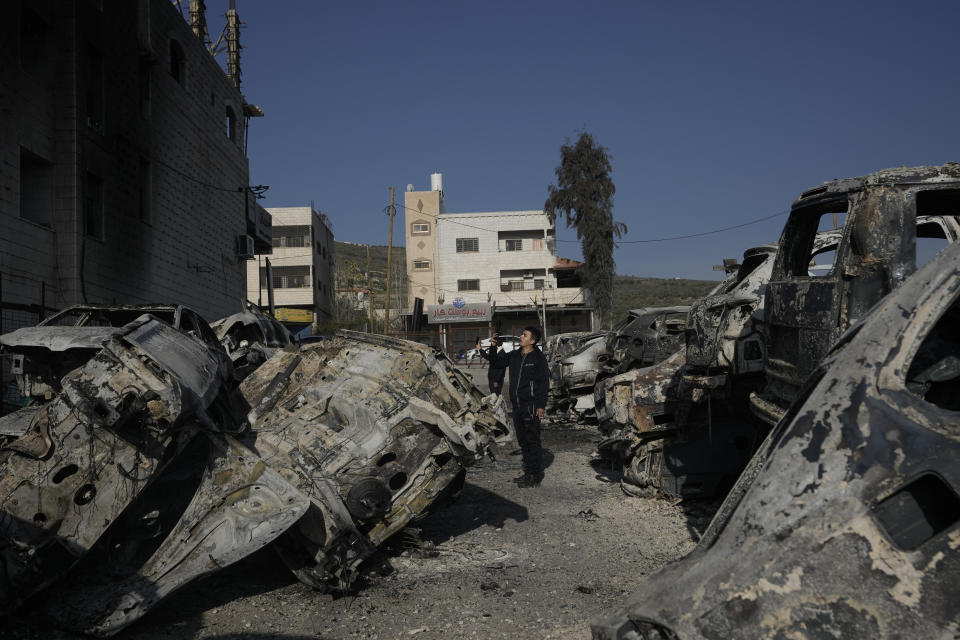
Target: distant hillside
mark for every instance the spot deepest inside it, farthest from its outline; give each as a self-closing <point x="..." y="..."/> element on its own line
<point x="629" y="292"/>
<point x="350" y="262"/>
<point x="632" y="292"/>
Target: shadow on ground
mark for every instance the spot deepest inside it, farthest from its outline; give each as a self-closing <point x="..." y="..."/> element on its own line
<point x="475" y="507"/>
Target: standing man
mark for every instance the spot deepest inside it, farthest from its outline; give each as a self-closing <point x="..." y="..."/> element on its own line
<point x="495" y="374"/>
<point x="529" y="383"/>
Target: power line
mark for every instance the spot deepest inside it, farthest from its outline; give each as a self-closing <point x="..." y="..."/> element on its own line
<point x="667" y="239"/>
<point x="697" y="235"/>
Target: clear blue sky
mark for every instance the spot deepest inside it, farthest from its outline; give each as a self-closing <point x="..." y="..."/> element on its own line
<point x="714" y="113"/>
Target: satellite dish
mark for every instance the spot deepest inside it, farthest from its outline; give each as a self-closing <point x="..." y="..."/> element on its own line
<point x="409" y="187"/>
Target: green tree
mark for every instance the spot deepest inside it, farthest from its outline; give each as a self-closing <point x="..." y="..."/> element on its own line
<point x="584" y="195"/>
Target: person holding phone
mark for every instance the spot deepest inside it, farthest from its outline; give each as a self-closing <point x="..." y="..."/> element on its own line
<point x="529" y="384"/>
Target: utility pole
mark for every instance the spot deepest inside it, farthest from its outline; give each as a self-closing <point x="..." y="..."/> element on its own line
<point x="273" y="308"/>
<point x="369" y="291"/>
<point x="543" y="296"/>
<point x="386" y="317"/>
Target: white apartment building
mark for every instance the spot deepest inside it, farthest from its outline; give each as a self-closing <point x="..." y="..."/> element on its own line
<point x="507" y="259"/>
<point x="301" y="264"/>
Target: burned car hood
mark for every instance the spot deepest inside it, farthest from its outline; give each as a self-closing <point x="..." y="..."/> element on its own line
<point x="58" y="338"/>
<point x="846" y="523"/>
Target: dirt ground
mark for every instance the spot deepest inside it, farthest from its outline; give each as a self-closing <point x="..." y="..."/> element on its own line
<point x="499" y="562"/>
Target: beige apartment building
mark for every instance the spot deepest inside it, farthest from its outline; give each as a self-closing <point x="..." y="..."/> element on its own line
<point x="501" y="267"/>
<point x="301" y="267"/>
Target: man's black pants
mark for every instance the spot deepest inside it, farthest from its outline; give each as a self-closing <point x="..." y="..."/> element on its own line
<point x="527" y="425"/>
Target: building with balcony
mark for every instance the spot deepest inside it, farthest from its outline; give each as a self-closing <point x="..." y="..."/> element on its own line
<point x="506" y="260"/>
<point x="300" y="268"/>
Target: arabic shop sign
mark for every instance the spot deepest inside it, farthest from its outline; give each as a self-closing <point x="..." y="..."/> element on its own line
<point x="458" y="311"/>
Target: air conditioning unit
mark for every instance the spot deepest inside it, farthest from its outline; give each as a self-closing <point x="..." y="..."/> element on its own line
<point x="244" y="246"/>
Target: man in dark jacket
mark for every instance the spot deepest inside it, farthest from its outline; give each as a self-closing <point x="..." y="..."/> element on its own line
<point x="495" y="374"/>
<point x="529" y="383"/>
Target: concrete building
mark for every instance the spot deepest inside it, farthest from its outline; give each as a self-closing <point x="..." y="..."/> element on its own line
<point x="506" y="260"/>
<point x="301" y="265"/>
<point x="123" y="173"/>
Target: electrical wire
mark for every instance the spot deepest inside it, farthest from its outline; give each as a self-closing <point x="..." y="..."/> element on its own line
<point x="450" y="218"/>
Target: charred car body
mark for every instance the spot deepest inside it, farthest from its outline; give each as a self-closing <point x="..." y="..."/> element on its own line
<point x="41" y="355"/>
<point x="134" y="479"/>
<point x="250" y="337"/>
<point x="883" y="215"/>
<point x="645" y="337"/>
<point x="869" y="248"/>
<point x="846" y="522"/>
<point x="676" y="425"/>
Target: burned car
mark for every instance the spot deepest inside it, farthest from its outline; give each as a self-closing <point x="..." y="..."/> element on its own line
<point x="846" y="523"/>
<point x="676" y="426"/>
<point x="41" y="355"/>
<point x="561" y="345"/>
<point x="136" y="479"/>
<point x="645" y="337"/>
<point x="889" y="220"/>
<point x="250" y="337"/>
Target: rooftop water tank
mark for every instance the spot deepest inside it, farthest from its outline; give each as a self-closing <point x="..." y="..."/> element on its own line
<point x="436" y="182"/>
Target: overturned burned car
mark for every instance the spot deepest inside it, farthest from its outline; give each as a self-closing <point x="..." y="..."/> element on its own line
<point x="143" y="473"/>
<point x="846" y="522"/>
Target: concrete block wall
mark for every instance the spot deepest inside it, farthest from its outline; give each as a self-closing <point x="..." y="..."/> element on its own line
<point x="186" y="251"/>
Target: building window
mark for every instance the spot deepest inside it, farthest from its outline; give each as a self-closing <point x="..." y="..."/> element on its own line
<point x="178" y="63"/>
<point x="516" y="285"/>
<point x="36" y="189"/>
<point x="292" y="236"/>
<point x="231" y="125"/>
<point x="514" y="245"/>
<point x="144" y="72"/>
<point x="537" y="244"/>
<point x="145" y="191"/>
<point x="35" y="44"/>
<point x="421" y="265"/>
<point x="93" y="207"/>
<point x="93" y="88"/>
<point x="420" y="228"/>
<point x="294" y="277"/>
<point x="538" y="283"/>
<point x="468" y="285"/>
<point x="468" y="245"/>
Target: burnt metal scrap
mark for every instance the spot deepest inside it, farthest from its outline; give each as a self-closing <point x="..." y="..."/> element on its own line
<point x="846" y="522"/>
<point x="144" y="471"/>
